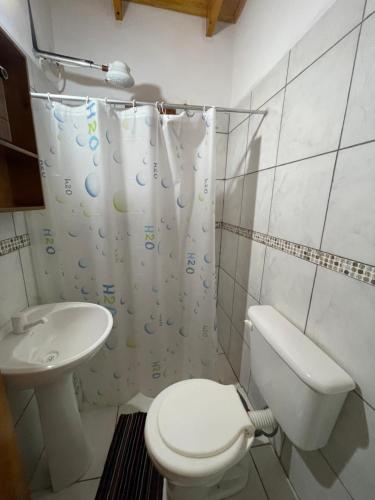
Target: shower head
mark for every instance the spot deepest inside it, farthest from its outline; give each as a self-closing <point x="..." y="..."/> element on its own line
<point x="118" y="74"/>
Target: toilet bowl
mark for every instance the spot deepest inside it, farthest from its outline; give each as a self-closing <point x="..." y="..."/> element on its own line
<point x="197" y="434"/>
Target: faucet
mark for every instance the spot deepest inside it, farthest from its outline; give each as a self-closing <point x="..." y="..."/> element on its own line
<point x="21" y="326"/>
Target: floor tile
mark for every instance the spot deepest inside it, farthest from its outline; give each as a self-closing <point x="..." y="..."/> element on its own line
<point x="99" y="426"/>
<point x="311" y="476"/>
<point x="253" y="488"/>
<point x="271" y="473"/>
<point x="85" y="490"/>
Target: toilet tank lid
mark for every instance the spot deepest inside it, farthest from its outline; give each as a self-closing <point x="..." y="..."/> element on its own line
<point x="310" y="363"/>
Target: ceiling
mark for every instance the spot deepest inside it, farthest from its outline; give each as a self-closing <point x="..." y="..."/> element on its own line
<point x="213" y="10"/>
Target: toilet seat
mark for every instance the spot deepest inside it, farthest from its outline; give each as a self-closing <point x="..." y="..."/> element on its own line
<point x="169" y="430"/>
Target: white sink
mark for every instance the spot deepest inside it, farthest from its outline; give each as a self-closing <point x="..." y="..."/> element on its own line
<point x="44" y="358"/>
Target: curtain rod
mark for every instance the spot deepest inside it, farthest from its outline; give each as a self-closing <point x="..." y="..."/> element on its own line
<point x="167" y="105"/>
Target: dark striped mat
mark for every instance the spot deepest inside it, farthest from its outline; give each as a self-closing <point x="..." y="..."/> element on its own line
<point x="128" y="472"/>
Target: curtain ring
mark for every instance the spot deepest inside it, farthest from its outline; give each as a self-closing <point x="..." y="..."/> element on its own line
<point x="163" y="110"/>
<point x="87" y="100"/>
<point x="157" y="105"/>
<point x="106" y="100"/>
<point x="134" y="106"/>
<point x="49" y="99"/>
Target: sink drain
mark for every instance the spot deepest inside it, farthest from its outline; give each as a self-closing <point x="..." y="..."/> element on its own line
<point x="51" y="356"/>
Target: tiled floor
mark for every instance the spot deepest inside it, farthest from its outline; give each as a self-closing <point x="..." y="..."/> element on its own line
<point x="267" y="480"/>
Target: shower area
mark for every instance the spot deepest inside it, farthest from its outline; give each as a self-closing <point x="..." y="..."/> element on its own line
<point x="130" y="225"/>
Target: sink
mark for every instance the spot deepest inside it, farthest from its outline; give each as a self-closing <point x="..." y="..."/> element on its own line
<point x="45" y="358"/>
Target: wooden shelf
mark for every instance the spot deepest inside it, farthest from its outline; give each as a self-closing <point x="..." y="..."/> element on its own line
<point x="20" y="182"/>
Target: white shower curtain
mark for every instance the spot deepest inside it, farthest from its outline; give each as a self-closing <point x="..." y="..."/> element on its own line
<point x="129" y="224"/>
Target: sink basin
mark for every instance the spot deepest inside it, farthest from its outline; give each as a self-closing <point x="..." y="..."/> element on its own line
<point x="74" y="332"/>
<point x="44" y="358"/>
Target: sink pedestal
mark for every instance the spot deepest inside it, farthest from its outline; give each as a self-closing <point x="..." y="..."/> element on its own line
<point x="68" y="453"/>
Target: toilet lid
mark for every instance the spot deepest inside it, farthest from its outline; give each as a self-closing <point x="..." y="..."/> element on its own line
<point x="201" y="418"/>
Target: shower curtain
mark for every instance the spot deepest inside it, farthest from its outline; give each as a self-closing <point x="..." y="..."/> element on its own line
<point x="129" y="225"/>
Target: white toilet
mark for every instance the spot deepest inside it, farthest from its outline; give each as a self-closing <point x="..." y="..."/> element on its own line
<point x="198" y="432"/>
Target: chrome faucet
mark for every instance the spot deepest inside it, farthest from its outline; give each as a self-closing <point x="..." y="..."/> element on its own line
<point x="20" y="324"/>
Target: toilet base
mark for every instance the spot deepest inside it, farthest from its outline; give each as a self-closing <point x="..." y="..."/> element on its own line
<point x="232" y="482"/>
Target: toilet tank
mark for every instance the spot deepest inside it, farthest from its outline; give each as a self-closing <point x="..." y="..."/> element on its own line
<point x="304" y="388"/>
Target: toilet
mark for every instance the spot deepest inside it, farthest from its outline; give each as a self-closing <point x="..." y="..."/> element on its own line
<point x="198" y="432"/>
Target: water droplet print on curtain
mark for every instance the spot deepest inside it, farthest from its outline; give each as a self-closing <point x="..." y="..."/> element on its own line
<point x="130" y="225"/>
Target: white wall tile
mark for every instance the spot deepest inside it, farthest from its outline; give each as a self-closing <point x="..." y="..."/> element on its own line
<point x="6" y="226"/>
<point x="244" y="374"/>
<point x="29" y="437"/>
<point x="224" y="372"/>
<point x="12" y="290"/>
<point x="221" y="155"/>
<point x="360" y="117"/>
<point x="20" y="222"/>
<point x="351" y="448"/>
<point x="223" y="326"/>
<point x="235" y="351"/>
<point x="225" y="294"/>
<point x="232" y="200"/>
<point x="241" y="303"/>
<point x="18" y="400"/>
<point x="350" y="225"/>
<point x="341" y="321"/>
<point x="333" y="25"/>
<point x="273" y="478"/>
<point x="287" y="285"/>
<point x="222" y="122"/>
<point x="219" y="200"/>
<point x="370" y="7"/>
<point x="250" y="260"/>
<point x="217" y="246"/>
<point x="263" y="137"/>
<point x="300" y="194"/>
<point x="229" y="242"/>
<point x="236" y="157"/>
<point x="311" y="476"/>
<point x="315" y="104"/>
<point x="237" y="118"/>
<point x="257" y="200"/>
<point x="270" y="84"/>
<point x="31" y="289"/>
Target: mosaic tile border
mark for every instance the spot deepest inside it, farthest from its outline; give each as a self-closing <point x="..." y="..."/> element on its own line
<point x="15" y="243"/>
<point x="353" y="269"/>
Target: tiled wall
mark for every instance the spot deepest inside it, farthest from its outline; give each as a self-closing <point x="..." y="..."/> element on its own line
<point x="298" y="231"/>
<point x="18" y="291"/>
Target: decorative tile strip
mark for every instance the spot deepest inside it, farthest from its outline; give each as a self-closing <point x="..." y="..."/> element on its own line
<point x="15" y="243"/>
<point x="351" y="268"/>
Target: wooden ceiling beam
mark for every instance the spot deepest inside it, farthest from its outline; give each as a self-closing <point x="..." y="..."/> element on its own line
<point x="118" y="8"/>
<point x="213" y="12"/>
